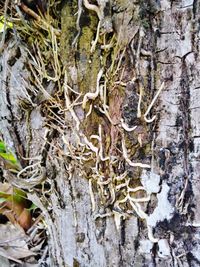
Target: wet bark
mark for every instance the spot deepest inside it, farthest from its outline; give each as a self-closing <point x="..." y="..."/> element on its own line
<point x="154" y="43"/>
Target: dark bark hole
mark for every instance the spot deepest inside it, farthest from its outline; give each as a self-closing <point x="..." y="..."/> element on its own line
<point x="123" y="232"/>
<point x="16" y="55"/>
<point x="3" y="219"/>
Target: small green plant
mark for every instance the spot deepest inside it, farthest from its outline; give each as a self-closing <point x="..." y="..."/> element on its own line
<point x="8" y="157"/>
<point x="4" y="24"/>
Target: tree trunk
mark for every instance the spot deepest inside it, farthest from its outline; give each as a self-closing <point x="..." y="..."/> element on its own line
<point x="117" y="132"/>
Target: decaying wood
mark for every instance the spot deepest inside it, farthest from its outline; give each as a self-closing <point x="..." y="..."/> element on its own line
<point x="145" y="210"/>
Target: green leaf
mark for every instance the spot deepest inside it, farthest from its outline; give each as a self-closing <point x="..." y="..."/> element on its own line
<point x="4" y="195"/>
<point x="8" y="24"/>
<point x="2" y="147"/>
<point x="19" y="196"/>
<point x="8" y="156"/>
<point x="2" y="199"/>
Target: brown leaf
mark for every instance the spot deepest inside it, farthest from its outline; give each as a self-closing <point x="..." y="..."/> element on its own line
<point x="14" y="208"/>
<point x="17" y="214"/>
<point x="13" y="243"/>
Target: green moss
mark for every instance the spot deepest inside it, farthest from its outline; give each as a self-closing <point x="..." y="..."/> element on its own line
<point x="68" y="28"/>
<point x="88" y="64"/>
<point x="75" y="263"/>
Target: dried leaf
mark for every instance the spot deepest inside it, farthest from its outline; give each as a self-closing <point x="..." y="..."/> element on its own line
<point x="13" y="243"/>
<point x="13" y="204"/>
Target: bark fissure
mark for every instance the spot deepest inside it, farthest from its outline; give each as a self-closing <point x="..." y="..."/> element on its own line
<point x="185" y="108"/>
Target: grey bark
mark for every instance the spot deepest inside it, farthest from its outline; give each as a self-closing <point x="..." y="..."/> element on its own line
<point x="76" y="237"/>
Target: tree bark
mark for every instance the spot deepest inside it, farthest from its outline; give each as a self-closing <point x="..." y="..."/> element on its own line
<point x="93" y="154"/>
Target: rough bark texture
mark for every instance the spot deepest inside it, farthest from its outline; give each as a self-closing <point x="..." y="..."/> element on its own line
<point x="160" y="42"/>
